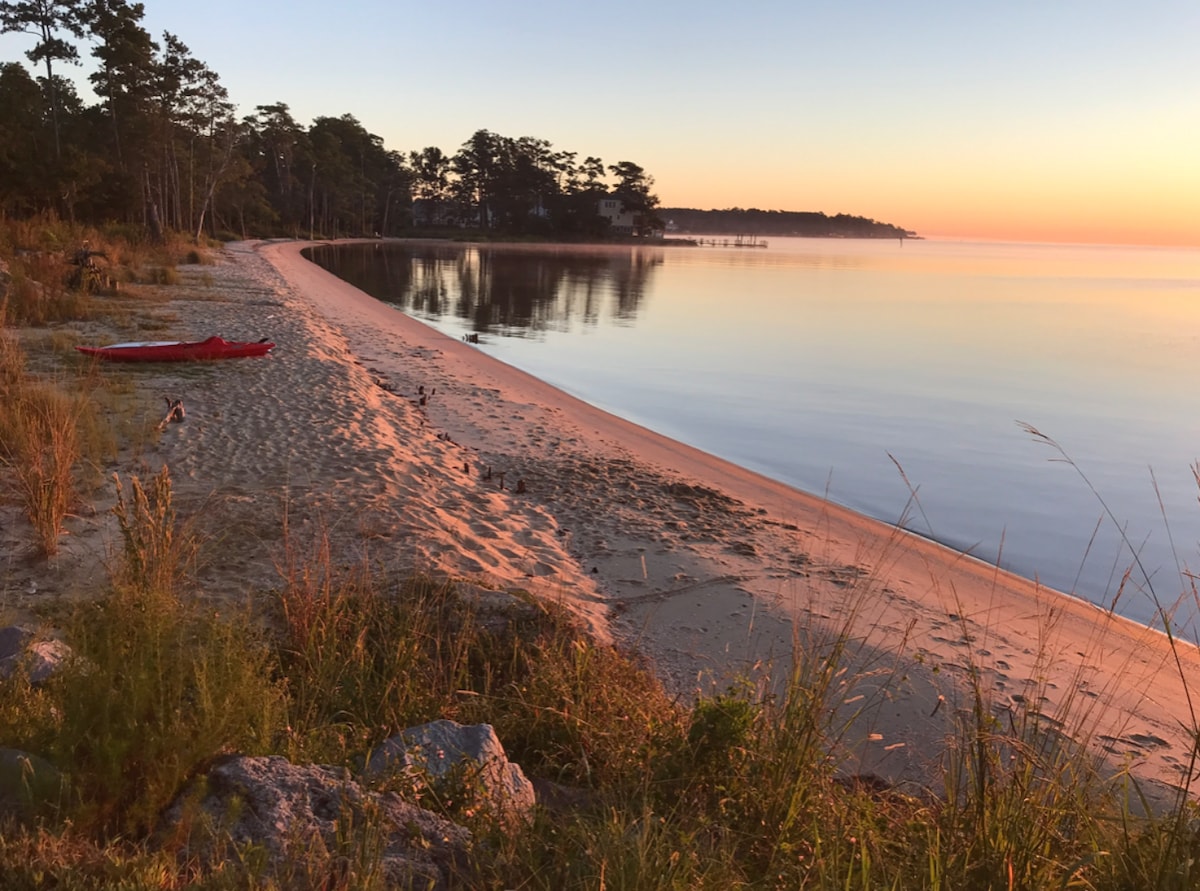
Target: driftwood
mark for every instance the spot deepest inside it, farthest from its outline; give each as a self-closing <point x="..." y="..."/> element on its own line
<point x="175" y="413"/>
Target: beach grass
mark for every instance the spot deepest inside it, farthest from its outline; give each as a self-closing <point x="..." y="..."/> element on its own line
<point x="738" y="788"/>
<point x="39" y="446"/>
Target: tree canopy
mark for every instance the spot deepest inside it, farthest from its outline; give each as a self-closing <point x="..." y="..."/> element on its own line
<point x="164" y="148"/>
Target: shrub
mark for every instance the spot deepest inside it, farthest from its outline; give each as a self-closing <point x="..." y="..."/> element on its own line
<point x="162" y="275"/>
<point x="197" y="257"/>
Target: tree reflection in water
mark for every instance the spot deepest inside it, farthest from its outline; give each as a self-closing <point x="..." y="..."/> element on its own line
<point x="510" y="290"/>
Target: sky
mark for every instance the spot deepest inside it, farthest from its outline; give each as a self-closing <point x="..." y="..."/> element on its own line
<point x="1028" y="120"/>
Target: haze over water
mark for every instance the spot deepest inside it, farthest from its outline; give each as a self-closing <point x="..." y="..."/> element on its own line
<point x="865" y="370"/>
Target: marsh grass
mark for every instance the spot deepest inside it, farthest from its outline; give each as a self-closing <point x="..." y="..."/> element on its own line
<point x="367" y="657"/>
<point x="163" y="275"/>
<point x="12" y="360"/>
<point x="39" y="294"/>
<point x="1028" y="804"/>
<point x="49" y="287"/>
<point x="38" y="858"/>
<point x="571" y="709"/>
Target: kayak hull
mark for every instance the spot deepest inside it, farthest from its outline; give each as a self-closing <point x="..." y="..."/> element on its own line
<point x="178" y="351"/>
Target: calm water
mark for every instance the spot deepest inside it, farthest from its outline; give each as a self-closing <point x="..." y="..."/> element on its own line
<point x="835" y="365"/>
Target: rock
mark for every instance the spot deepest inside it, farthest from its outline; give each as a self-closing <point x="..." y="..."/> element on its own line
<point x="20" y="647"/>
<point x="472" y="754"/>
<point x="297" y="815"/>
<point x="29" y="786"/>
<point x="12" y="641"/>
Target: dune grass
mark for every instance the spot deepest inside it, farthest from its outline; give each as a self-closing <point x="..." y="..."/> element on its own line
<point x="39" y="446"/>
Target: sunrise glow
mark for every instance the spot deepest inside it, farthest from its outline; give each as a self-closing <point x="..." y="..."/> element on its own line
<point x="1009" y="122"/>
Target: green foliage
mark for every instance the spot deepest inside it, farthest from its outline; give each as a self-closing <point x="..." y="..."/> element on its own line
<point x="619" y="848"/>
<point x="738" y="791"/>
<point x="755" y="222"/>
<point x="366" y="659"/>
<point x="720" y="731"/>
<point x="568" y="707"/>
<point x="267" y="175"/>
<point x="1014" y="800"/>
<point x="67" y="860"/>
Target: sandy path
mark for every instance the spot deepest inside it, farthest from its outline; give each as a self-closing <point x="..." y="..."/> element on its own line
<point x="707" y="568"/>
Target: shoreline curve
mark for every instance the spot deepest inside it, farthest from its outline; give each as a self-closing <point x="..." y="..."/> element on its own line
<point x="450" y="461"/>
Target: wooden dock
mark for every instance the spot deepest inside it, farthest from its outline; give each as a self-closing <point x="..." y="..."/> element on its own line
<point x="737" y="241"/>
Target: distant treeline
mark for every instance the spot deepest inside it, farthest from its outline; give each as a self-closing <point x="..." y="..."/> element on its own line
<point x="164" y="148"/>
<point x="811" y="224"/>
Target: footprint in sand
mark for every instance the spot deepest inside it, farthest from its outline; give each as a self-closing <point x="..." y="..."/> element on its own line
<point x="483" y="531"/>
<point x="1148" y="740"/>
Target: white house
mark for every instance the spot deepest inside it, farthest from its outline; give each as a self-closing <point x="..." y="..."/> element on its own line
<point x="620" y="221"/>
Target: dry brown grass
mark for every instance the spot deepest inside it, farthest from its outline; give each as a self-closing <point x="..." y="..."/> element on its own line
<point x="39" y="445"/>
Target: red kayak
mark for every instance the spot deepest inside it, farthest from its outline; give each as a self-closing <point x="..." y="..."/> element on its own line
<point x="179" y="351"/>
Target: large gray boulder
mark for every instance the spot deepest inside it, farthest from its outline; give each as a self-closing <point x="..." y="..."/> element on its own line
<point x="22" y="648"/>
<point x="298" y="816"/>
<point x="471" y="756"/>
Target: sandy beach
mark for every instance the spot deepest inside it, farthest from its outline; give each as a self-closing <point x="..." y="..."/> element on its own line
<point x="417" y="452"/>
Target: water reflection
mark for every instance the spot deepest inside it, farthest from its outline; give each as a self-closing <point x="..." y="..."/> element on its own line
<point x="517" y="291"/>
<point x="825" y="364"/>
